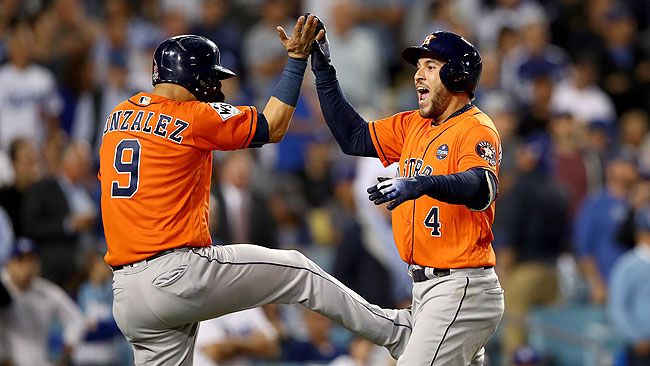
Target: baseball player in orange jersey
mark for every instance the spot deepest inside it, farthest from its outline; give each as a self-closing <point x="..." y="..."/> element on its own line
<point x="443" y="198"/>
<point x="155" y="168"/>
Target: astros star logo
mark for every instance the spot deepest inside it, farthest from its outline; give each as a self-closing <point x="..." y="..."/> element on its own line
<point x="429" y="38"/>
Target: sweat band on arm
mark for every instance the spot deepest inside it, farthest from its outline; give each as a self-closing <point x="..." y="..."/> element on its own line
<point x="475" y="188"/>
<point x="350" y="130"/>
<point x="288" y="88"/>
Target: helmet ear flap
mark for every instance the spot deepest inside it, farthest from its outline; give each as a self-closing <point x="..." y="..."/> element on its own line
<point x="455" y="76"/>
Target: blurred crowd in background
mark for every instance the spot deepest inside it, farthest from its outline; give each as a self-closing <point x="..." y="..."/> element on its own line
<point x="567" y="83"/>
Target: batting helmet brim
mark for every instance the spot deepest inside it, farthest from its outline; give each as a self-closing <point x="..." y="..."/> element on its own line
<point x="414" y="53"/>
<point x="224" y="73"/>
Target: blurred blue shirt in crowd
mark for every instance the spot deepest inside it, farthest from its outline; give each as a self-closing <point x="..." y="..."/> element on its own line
<point x="629" y="305"/>
<point x="596" y="227"/>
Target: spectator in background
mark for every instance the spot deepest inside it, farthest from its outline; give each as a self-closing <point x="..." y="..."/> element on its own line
<point x="504" y="14"/>
<point x="243" y="215"/>
<point x="597" y="225"/>
<point x="581" y="97"/>
<point x="629" y="303"/>
<point x="537" y="112"/>
<point x="216" y="25"/>
<point x="532" y="57"/>
<point x="27" y="169"/>
<point x="175" y="22"/>
<point x="362" y="352"/>
<point x="622" y="60"/>
<point x="569" y="160"/>
<point x="59" y="213"/>
<point x="65" y="31"/>
<point x="6" y="239"/>
<point x="316" y="160"/>
<point x="103" y="344"/>
<point x="440" y="15"/>
<point x="352" y="46"/>
<point x="264" y="57"/>
<point x="36" y="304"/>
<point x="29" y="101"/>
<point x="236" y="339"/>
<point x="490" y="84"/>
<point x="376" y="229"/>
<point x="354" y="264"/>
<point x="535" y="212"/>
<point x="634" y="128"/>
<point x="318" y="346"/>
<point x="125" y="31"/>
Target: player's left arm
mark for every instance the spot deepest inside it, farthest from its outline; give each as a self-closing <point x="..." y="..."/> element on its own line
<point x="476" y="186"/>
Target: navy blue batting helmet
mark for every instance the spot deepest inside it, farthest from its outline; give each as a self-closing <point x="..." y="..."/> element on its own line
<point x="462" y="70"/>
<point x="192" y="62"/>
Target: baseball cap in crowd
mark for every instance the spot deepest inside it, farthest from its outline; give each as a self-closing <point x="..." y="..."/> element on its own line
<point x="642" y="219"/>
<point x="23" y="246"/>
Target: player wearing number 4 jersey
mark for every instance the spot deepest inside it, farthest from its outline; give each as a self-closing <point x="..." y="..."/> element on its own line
<point x="443" y="198"/>
<point x="155" y="169"/>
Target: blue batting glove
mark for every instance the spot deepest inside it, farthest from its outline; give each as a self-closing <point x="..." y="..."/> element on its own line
<point x="398" y="190"/>
<point x="320" y="52"/>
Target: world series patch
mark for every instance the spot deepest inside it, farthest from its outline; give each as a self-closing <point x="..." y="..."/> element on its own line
<point x="225" y="110"/>
<point x="485" y="150"/>
<point x="442" y="152"/>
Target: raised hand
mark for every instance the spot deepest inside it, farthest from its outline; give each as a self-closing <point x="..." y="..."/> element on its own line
<point x="305" y="32"/>
<point x="320" y="53"/>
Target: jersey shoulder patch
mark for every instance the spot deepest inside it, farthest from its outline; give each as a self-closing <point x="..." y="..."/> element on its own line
<point x="485" y="150"/>
<point x="225" y="110"/>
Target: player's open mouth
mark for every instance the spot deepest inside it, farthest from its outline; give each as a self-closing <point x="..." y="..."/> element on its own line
<point x="423" y="93"/>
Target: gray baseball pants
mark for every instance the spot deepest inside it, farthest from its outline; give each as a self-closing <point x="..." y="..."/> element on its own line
<point x="158" y="304"/>
<point x="453" y="317"/>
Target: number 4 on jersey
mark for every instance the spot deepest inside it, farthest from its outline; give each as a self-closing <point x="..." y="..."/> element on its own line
<point x="432" y="221"/>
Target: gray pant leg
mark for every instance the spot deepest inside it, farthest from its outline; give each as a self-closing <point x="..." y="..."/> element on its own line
<point x="198" y="284"/>
<point x="453" y="317"/>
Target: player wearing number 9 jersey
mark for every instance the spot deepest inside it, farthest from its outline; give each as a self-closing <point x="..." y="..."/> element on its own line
<point x="155" y="171"/>
<point x="144" y="137"/>
<point x="442" y="198"/>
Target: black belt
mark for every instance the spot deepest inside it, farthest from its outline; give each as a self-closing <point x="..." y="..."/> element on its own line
<point x="157" y="255"/>
<point x="419" y="275"/>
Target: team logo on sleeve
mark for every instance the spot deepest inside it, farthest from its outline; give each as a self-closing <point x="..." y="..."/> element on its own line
<point x="225" y="110"/>
<point x="442" y="152"/>
<point x="485" y="150"/>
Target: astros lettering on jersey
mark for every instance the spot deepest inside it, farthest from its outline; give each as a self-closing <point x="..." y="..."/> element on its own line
<point x="429" y="232"/>
<point x="143" y="213"/>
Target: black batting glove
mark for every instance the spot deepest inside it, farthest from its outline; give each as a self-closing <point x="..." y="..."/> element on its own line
<point x="399" y="190"/>
<point x="320" y="51"/>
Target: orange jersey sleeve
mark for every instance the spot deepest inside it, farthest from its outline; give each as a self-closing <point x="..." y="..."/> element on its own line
<point x="221" y="126"/>
<point x="388" y="136"/>
<point x="480" y="148"/>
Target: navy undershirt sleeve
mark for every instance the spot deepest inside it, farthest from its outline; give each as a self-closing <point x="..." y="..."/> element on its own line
<point x="261" y="135"/>
<point x="475" y="188"/>
<point x="350" y="130"/>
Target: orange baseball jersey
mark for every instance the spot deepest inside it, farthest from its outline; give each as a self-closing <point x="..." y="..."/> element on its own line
<point x="155" y="171"/>
<point x="429" y="232"/>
